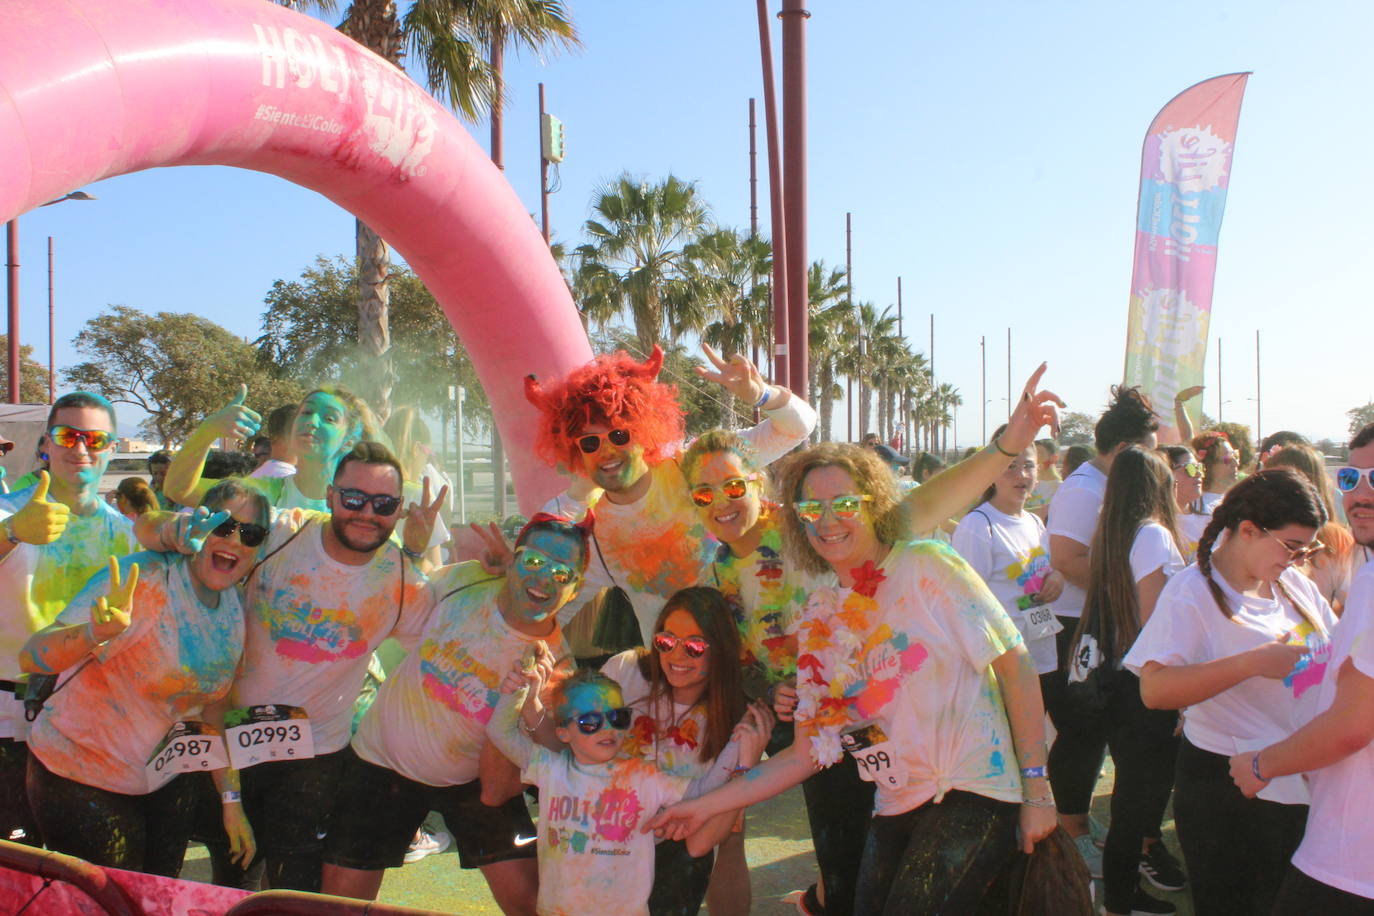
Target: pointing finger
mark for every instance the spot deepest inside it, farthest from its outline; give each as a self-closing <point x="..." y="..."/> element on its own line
<point x="1034" y="381"/>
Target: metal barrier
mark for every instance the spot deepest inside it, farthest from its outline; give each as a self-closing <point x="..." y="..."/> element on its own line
<point x="90" y="879"/>
<point x="298" y="903"/>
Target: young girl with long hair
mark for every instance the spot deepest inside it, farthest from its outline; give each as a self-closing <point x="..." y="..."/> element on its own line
<point x="1240" y="639"/>
<point x="1134" y="552"/>
<point x="687" y="699"/>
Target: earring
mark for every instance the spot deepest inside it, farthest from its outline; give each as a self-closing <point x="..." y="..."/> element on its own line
<point x="43" y="456"/>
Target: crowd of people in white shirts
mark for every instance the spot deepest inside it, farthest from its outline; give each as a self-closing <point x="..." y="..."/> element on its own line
<point x="946" y="703"/>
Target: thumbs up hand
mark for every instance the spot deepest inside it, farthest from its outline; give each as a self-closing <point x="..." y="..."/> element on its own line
<point x="112" y="612"/>
<point x="40" y="521"/>
<point x="234" y="420"/>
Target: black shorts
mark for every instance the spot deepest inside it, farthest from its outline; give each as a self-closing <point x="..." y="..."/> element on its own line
<point x="379" y="810"/>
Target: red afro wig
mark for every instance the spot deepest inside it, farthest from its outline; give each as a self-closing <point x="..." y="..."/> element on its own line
<point x="612" y="391"/>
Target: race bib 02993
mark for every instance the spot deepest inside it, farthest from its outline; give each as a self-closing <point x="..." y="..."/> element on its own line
<point x="267" y="733"/>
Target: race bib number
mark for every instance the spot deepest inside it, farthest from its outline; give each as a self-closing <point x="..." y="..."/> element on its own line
<point x="188" y="747"/>
<point x="264" y="734"/>
<point x="1040" y="622"/>
<point x="875" y="755"/>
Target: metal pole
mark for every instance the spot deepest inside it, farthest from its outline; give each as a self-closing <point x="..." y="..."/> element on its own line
<point x="983" y="348"/>
<point x="12" y="283"/>
<point x="777" y="214"/>
<point x="849" y="281"/>
<point x="753" y="174"/>
<point x="498" y="451"/>
<point x="933" y="423"/>
<point x="543" y="172"/>
<point x="1259" y="414"/>
<point x="462" y="475"/>
<point x="794" y="18"/>
<point x="1219" y="400"/>
<point x="52" y="390"/>
<point x="1008" y="375"/>
<point x="902" y="398"/>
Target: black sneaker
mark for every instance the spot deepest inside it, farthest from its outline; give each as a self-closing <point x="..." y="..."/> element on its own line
<point x="1161" y="869"/>
<point x="1145" y="905"/>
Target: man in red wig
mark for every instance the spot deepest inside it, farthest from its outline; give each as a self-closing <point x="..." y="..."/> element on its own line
<point x="618" y="432"/>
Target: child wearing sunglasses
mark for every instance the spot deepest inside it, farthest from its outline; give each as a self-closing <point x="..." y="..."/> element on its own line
<point x="147" y="650"/>
<point x="1241" y="639"/>
<point x="594" y="855"/>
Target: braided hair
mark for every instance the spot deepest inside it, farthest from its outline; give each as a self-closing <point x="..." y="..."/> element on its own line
<point x="1268" y="499"/>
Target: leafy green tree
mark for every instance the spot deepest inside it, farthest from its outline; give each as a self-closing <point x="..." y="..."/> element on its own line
<point x="636" y="263"/>
<point x="1360" y="417"/>
<point x="1076" y="428"/>
<point x="176" y="367"/>
<point x="33" y="377"/>
<point x="308" y="337"/>
<point x="706" y="404"/>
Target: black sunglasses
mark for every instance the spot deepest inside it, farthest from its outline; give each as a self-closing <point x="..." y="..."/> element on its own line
<point x="382" y="504"/>
<point x="591" y="442"/>
<point x="589" y="723"/>
<point x="251" y="534"/>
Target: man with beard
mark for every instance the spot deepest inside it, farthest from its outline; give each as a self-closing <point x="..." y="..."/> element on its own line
<point x="1333" y="869"/>
<point x="330" y="587"/>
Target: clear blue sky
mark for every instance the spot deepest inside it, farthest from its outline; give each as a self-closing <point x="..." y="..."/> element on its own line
<point x="989" y="153"/>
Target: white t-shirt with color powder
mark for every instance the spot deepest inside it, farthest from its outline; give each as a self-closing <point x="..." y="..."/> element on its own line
<point x="109" y="713"/>
<point x="934" y="632"/>
<point x="313" y="622"/>
<point x="593" y="857"/>
<point x="1188" y="628"/>
<point x="429" y="719"/>
<point x="1073" y="514"/>
<point x="38" y="581"/>
<point x="1011" y="553"/>
<point x="1338" y="847"/>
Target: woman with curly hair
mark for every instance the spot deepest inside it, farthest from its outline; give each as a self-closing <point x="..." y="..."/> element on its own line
<point x="1220" y="463"/>
<point x="1241" y="639"/>
<point x="908" y="622"/>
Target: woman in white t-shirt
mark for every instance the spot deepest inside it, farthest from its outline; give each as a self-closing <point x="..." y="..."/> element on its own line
<point x="1134" y="553"/>
<point x="1193" y="516"/>
<point x="913" y="667"/>
<point x="1005" y="543"/>
<point x="1241" y="640"/>
<point x="686" y="695"/>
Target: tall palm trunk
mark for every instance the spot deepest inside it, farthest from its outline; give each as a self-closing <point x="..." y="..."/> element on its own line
<point x="827" y="399"/>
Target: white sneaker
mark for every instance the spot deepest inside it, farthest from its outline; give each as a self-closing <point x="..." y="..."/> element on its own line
<point x="428" y="844"/>
<point x="1090" y="853"/>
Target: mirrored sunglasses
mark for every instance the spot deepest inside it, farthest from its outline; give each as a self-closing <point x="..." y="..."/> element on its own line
<point x="703" y="494"/>
<point x="382" y="503"/>
<point x="695" y="646"/>
<point x="1348" y="477"/>
<point x="250" y="534"/>
<point x="1192" y="468"/>
<point x="532" y="560"/>
<point x="589" y="723"/>
<point x="845" y="507"/>
<point x="97" y="440"/>
<point x="591" y="443"/>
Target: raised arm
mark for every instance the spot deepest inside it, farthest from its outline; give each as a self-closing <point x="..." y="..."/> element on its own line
<point x="954" y="489"/>
<point x="1183" y="424"/>
<point x="184" y="484"/>
<point x="787" y="421"/>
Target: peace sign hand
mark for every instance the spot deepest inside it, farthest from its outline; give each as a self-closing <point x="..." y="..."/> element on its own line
<point x="41" y="521"/>
<point x="191" y="530"/>
<point x="1037" y="408"/>
<point x="738" y="376"/>
<point x="497" y="555"/>
<point x="420" y="519"/>
<point x="234" y="420"/>
<point x="113" y="611"/>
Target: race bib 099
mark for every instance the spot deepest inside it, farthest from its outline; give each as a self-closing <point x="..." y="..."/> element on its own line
<point x="875" y="755"/>
<point x="267" y="733"/>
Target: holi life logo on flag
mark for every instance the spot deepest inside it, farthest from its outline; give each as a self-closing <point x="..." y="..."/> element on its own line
<point x="1184" y="180"/>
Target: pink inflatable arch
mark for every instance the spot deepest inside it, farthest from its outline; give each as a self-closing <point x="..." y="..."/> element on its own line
<point x="95" y="88"/>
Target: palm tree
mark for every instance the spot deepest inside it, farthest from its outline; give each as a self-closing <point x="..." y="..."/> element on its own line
<point x="859" y="360"/>
<point x="636" y="260"/>
<point x="446" y="38"/>
<point x="722" y="267"/>
<point x="947" y="400"/>
<point x="830" y="323"/>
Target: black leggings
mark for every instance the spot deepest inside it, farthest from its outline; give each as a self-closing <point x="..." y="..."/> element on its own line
<point x="680" y="880"/>
<point x="839" y="806"/>
<point x="1080" y="745"/>
<point x="1236" y="848"/>
<point x="146" y="833"/>
<point x="950" y="859"/>
<point x="1302" y="895"/>
<point x="1144" y="750"/>
<point x="17" y="822"/>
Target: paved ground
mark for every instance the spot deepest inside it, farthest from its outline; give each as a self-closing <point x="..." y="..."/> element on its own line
<point x="778" y="848"/>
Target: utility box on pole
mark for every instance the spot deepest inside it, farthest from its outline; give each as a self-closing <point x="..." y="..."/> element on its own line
<point x="551" y="138"/>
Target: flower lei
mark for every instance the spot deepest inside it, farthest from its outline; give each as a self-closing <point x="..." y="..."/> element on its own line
<point x="830" y="644"/>
<point x="763" y="627"/>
